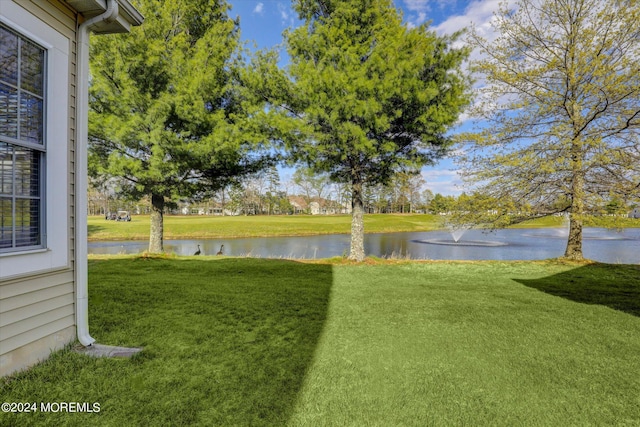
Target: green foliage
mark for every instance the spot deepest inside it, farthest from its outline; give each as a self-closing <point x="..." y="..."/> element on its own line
<point x="485" y="211"/>
<point x="615" y="206"/>
<point x="377" y="95"/>
<point x="560" y="108"/>
<point x="168" y="114"/>
<point x="369" y="96"/>
<point x="442" y="204"/>
<point x="313" y="185"/>
<point x="153" y="91"/>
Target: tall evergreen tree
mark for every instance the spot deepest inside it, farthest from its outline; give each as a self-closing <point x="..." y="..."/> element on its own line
<point x="370" y="95"/>
<point x="167" y="113"/>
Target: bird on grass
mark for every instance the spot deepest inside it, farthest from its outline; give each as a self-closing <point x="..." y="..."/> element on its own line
<point x="198" y="251"/>
<point x="221" y="250"/>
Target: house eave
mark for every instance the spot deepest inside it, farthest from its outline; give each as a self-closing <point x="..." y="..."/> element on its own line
<point x="128" y="16"/>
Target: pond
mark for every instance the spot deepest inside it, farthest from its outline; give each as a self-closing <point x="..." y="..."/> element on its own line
<point x="512" y="244"/>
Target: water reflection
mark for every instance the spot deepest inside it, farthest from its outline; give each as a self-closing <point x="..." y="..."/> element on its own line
<point x="513" y="244"/>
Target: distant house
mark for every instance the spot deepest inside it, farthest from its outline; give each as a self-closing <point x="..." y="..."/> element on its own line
<point x="635" y="213"/>
<point x="43" y="171"/>
<point x="317" y="206"/>
<point x="299" y="204"/>
<point x="215" y="209"/>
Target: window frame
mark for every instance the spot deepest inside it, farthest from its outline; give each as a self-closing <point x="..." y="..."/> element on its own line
<point x="60" y="174"/>
<point x="38" y="148"/>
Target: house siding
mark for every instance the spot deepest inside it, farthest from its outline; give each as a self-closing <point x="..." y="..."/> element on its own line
<point x="37" y="312"/>
<point x="54" y="13"/>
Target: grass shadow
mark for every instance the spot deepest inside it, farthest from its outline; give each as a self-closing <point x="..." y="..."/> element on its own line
<point x="243" y="332"/>
<point x="225" y="342"/>
<point x="92" y="229"/>
<point x="615" y="286"/>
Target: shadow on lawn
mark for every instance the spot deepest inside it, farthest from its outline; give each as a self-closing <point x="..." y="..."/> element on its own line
<point x="92" y="229"/>
<point x="242" y="333"/>
<point x="616" y="286"/>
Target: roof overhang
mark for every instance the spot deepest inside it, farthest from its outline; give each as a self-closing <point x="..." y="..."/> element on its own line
<point x="128" y="16"/>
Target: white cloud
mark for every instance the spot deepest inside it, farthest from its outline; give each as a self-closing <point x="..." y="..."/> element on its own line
<point x="417" y="12"/>
<point x="259" y="9"/>
<point x="478" y="13"/>
<point x="286" y="15"/>
<point x="422" y="16"/>
<point x="417" y="5"/>
<point x="444" y="181"/>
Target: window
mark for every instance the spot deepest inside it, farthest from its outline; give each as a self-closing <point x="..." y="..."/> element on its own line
<point x="22" y="145"/>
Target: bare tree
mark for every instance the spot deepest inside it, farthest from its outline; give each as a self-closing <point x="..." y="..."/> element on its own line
<point x="560" y="109"/>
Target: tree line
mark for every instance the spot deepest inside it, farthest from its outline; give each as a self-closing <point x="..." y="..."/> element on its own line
<point x="264" y="193"/>
<point x="181" y="110"/>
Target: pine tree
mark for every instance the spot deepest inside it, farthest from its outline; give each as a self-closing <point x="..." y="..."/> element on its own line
<point x="369" y="95"/>
<point x="167" y="113"/>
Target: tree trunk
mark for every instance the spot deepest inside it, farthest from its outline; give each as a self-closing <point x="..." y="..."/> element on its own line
<point x="156" y="236"/>
<point x="357" y="224"/>
<point x="574" y="242"/>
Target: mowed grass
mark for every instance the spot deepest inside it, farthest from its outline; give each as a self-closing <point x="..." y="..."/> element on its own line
<point x="270" y="342"/>
<point x="589" y="221"/>
<point x="211" y="227"/>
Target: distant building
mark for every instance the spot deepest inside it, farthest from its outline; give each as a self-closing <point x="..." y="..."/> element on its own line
<point x="318" y="206"/>
<point x="211" y="208"/>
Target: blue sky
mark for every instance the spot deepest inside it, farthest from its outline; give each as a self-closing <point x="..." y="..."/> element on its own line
<point x="263" y="21"/>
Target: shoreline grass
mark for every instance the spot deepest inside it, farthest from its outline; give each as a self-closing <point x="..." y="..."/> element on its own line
<point x="240" y="341"/>
<point x="214" y="227"/>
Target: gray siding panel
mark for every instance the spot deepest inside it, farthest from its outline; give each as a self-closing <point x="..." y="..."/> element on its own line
<point x="19" y="287"/>
<point x="37" y="312"/>
<point x="33" y="308"/>
<point x="34" y="300"/>
<point x="25" y="326"/>
<point x="42" y="331"/>
<point x="53" y="12"/>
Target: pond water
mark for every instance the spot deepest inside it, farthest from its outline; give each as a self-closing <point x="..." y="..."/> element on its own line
<point x="513" y="244"/>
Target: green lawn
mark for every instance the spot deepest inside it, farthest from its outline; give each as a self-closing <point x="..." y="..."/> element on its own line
<point x="211" y="227"/>
<point x="270" y="342"/>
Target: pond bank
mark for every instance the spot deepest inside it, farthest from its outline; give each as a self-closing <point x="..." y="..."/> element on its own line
<point x="213" y="227"/>
<point x="511" y="244"/>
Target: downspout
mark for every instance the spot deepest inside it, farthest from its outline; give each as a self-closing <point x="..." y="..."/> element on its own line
<point x="82" y="138"/>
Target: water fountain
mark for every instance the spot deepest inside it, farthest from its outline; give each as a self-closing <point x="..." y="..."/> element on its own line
<point x="457" y="231"/>
<point x="600" y="244"/>
<point x="487" y="243"/>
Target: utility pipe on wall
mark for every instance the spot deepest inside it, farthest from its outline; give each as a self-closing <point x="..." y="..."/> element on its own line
<point x="82" y="139"/>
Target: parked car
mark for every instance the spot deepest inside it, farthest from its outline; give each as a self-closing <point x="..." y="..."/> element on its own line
<point x="118" y="216"/>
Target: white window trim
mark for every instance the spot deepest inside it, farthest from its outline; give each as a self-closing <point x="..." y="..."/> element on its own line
<point x="57" y="166"/>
